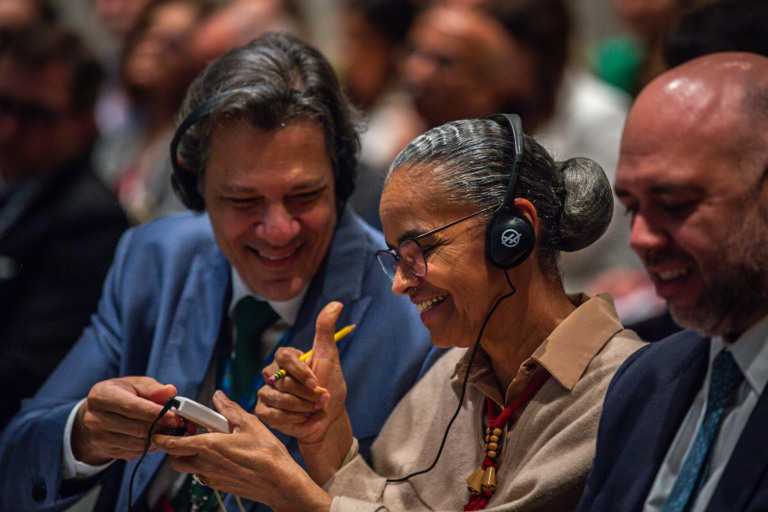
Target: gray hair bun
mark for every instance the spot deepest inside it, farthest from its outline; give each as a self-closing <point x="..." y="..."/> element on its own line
<point x="588" y="203"/>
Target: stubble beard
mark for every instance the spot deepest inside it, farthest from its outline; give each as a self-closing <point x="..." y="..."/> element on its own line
<point x="734" y="281"/>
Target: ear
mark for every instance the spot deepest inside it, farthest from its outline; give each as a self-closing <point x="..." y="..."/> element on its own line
<point x="527" y="210"/>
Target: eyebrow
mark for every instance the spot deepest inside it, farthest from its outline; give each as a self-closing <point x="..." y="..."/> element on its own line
<point x="315" y="184"/>
<point x="660" y="189"/>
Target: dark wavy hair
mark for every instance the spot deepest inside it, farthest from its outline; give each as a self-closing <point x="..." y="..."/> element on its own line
<point x="271" y="81"/>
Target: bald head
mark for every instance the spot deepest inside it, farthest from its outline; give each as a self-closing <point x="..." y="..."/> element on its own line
<point x="713" y="94"/>
<point x="692" y="175"/>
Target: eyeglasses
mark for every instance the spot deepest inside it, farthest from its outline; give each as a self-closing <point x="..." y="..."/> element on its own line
<point x="409" y="252"/>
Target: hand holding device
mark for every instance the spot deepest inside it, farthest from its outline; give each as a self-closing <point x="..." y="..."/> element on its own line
<point x="113" y="421"/>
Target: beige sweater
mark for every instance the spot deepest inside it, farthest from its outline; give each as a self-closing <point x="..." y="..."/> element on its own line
<point x="548" y="448"/>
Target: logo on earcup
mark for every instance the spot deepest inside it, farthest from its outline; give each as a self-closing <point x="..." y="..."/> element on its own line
<point x="510" y="238"/>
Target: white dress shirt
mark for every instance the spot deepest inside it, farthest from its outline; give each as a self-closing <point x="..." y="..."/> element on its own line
<point x="750" y="351"/>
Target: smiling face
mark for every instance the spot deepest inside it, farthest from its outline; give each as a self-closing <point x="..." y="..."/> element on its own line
<point x="691" y="177"/>
<point x="460" y="286"/>
<point x="270" y="197"/>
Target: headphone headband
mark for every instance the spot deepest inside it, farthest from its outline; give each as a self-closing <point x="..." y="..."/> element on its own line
<point x="516" y="125"/>
<point x="510" y="237"/>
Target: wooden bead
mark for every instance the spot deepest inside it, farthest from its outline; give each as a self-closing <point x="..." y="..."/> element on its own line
<point x="489" y="479"/>
<point x="489" y="438"/>
<point x="493" y="446"/>
<point x="497" y="432"/>
<point x="493" y="439"/>
<point x="491" y="454"/>
<point x="475" y="482"/>
<point x="488" y="430"/>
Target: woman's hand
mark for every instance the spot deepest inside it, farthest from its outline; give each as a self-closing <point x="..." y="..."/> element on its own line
<point x="308" y="403"/>
<point x="249" y="462"/>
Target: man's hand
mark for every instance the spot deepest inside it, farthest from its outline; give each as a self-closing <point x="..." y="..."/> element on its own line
<point x="114" y="421"/>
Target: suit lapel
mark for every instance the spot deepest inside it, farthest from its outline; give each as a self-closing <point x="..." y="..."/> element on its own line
<point x="340" y="278"/>
<point x="18" y="204"/>
<point x="746" y="469"/>
<point x="650" y="418"/>
<point x="196" y="327"/>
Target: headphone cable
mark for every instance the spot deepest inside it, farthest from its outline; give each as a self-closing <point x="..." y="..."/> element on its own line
<point x="171" y="402"/>
<point x="463" y="386"/>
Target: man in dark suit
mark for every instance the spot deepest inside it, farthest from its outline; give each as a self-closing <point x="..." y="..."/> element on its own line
<point x="266" y="157"/>
<point x="59" y="225"/>
<point x="683" y="425"/>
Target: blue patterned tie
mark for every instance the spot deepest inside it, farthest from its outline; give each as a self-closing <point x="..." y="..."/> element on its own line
<point x="726" y="376"/>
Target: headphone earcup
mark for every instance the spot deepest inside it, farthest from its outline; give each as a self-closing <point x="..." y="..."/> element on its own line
<point x="509" y="239"/>
<point x="185" y="185"/>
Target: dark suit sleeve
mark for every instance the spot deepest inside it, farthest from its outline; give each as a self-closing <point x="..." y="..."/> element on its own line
<point x="63" y="249"/>
<point x="31" y="445"/>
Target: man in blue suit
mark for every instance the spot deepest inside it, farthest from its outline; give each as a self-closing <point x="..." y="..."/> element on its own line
<point x="268" y="151"/>
<point x="684" y="421"/>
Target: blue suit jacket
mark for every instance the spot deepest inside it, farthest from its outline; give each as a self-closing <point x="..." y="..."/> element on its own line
<point x="161" y="314"/>
<point x="644" y="407"/>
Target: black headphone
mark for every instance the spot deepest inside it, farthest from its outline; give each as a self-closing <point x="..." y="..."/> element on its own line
<point x="184" y="180"/>
<point x="510" y="237"/>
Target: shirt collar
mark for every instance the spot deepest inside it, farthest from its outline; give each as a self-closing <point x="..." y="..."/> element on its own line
<point x="288" y="310"/>
<point x="565" y="353"/>
<point x="750" y="350"/>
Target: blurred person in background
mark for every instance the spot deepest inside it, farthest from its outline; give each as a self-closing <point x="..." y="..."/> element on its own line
<point x="19" y="13"/>
<point x="634" y="57"/>
<point x="236" y="22"/>
<point x="118" y="16"/>
<point x="114" y="18"/>
<point x="59" y="224"/>
<point x="371" y="43"/>
<point x="155" y="72"/>
<point x="720" y="26"/>
<point x="514" y="56"/>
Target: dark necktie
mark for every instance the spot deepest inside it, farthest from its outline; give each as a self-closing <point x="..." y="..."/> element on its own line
<point x="251" y="318"/>
<point x="726" y="377"/>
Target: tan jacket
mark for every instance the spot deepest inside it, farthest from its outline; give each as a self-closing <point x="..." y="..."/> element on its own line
<point x="547" y="450"/>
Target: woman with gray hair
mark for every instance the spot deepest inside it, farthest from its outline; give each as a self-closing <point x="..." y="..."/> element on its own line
<point x="475" y="215"/>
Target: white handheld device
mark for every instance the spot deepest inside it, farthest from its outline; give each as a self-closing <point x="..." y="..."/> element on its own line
<point x="200" y="415"/>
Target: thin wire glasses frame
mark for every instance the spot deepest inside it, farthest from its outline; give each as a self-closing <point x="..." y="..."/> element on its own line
<point x="410" y="254"/>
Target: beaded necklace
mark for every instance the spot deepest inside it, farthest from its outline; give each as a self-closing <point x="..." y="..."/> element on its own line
<point x="482" y="482"/>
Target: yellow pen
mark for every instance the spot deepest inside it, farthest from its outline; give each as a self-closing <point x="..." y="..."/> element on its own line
<point x="336" y="337"/>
